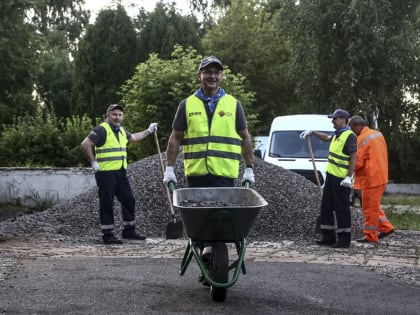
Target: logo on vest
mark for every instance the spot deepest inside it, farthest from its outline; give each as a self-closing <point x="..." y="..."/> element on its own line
<point x="194" y="114"/>
<point x="222" y="113"/>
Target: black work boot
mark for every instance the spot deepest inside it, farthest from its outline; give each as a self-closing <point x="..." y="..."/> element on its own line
<point x="344" y="239"/>
<point x="110" y="238"/>
<point x="131" y="234"/>
<point x="328" y="238"/>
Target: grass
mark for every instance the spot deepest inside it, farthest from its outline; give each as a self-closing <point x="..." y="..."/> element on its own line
<point x="407" y="219"/>
<point x="401" y="200"/>
<point x="403" y="220"/>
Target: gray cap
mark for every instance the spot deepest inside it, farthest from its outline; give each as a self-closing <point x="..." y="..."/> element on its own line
<point x="114" y="106"/>
<point x="208" y="61"/>
<point x="339" y="113"/>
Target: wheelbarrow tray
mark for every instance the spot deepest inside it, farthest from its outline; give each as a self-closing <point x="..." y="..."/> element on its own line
<point x="229" y="220"/>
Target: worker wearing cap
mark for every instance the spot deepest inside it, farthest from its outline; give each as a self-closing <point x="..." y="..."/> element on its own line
<point x="339" y="181"/>
<point x="371" y="177"/>
<point x="106" y="150"/>
<point x="211" y="126"/>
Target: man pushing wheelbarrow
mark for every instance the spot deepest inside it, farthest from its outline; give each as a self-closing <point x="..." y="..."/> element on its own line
<point x="211" y="126"/>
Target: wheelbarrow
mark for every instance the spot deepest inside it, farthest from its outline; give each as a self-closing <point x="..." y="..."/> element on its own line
<point x="217" y="215"/>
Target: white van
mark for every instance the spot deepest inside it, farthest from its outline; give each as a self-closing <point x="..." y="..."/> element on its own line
<point x="286" y="149"/>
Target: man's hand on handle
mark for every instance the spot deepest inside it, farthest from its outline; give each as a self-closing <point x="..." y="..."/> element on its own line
<point x="248" y="176"/>
<point x="169" y="175"/>
<point x="305" y="134"/>
<point x="152" y="127"/>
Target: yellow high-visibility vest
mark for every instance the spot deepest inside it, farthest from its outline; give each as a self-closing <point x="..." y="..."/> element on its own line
<point x="112" y="155"/>
<point x="338" y="162"/>
<point x="216" y="151"/>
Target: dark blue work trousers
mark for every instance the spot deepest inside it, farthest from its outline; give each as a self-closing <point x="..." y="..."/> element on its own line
<point x="113" y="184"/>
<point x="336" y="198"/>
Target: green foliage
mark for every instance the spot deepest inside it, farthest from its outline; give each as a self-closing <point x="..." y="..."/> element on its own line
<point x="247" y="39"/>
<point x="163" y="29"/>
<point x="43" y="140"/>
<point x="18" y="51"/>
<point x="401" y="200"/>
<point x="158" y="86"/>
<point x="106" y="58"/>
<point x="74" y="130"/>
<point x="55" y="82"/>
<point x="29" y="30"/>
<point x="59" y="22"/>
<point x="408" y="220"/>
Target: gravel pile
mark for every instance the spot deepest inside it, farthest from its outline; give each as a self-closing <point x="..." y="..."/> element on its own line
<point x="293" y="206"/>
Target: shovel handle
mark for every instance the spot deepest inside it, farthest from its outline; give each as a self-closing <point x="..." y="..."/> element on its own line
<point x="314" y="165"/>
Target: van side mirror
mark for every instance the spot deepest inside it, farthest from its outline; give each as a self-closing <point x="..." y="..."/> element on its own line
<point x="257" y="153"/>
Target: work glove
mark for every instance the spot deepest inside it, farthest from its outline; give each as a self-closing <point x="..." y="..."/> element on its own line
<point x="152" y="127"/>
<point x="169" y="175"/>
<point x="347" y="182"/>
<point x="305" y="134"/>
<point x="95" y="166"/>
<point x="248" y="176"/>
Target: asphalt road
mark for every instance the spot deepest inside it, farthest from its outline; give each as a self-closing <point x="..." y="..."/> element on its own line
<point x="135" y="285"/>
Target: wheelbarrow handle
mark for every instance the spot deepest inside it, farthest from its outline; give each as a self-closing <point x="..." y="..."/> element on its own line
<point x="247" y="184"/>
<point x="172" y="185"/>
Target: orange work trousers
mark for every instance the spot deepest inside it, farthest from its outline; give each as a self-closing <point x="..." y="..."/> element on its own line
<point x="375" y="219"/>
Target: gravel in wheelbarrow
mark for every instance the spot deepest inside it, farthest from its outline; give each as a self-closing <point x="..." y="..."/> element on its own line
<point x="218" y="213"/>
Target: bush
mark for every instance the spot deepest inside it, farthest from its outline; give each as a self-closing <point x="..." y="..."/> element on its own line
<point x="43" y="140"/>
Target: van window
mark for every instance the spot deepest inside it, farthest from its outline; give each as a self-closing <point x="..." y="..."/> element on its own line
<point x="288" y="144"/>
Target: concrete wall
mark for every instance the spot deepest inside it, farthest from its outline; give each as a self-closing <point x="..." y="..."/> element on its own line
<point x="403" y="189"/>
<point x="32" y="186"/>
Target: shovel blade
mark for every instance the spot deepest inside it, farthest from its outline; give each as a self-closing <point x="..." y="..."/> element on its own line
<point x="174" y="230"/>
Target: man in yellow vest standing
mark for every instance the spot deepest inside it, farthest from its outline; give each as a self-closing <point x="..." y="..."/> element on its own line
<point x="339" y="181"/>
<point x="106" y="150"/>
<point x="211" y="126"/>
<point x="371" y="178"/>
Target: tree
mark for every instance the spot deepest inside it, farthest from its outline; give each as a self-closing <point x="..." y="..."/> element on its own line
<point x="55" y="81"/>
<point x="247" y="40"/>
<point x="18" y="66"/>
<point x="361" y="55"/>
<point x="30" y="31"/>
<point x="158" y="86"/>
<point x="163" y="29"/>
<point x="60" y="24"/>
<point x="106" y="58"/>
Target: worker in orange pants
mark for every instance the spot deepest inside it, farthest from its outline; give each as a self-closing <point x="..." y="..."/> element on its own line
<point x="371" y="177"/>
<point x="375" y="219"/>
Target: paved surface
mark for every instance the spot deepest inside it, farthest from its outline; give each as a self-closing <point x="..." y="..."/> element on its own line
<point x="399" y="249"/>
<point x="54" y="277"/>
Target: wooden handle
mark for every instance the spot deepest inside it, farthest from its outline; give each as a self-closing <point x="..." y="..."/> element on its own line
<point x="168" y="194"/>
<point x="314" y="165"/>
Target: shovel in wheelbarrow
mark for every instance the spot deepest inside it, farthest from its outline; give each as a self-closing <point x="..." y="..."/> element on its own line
<point x="174" y="229"/>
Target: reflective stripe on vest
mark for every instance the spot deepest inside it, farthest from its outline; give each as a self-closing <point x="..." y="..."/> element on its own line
<point x="338" y="162"/>
<point x="217" y="151"/>
<point x="112" y="155"/>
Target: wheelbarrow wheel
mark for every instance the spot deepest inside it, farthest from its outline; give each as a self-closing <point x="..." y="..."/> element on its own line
<point x="219" y="270"/>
